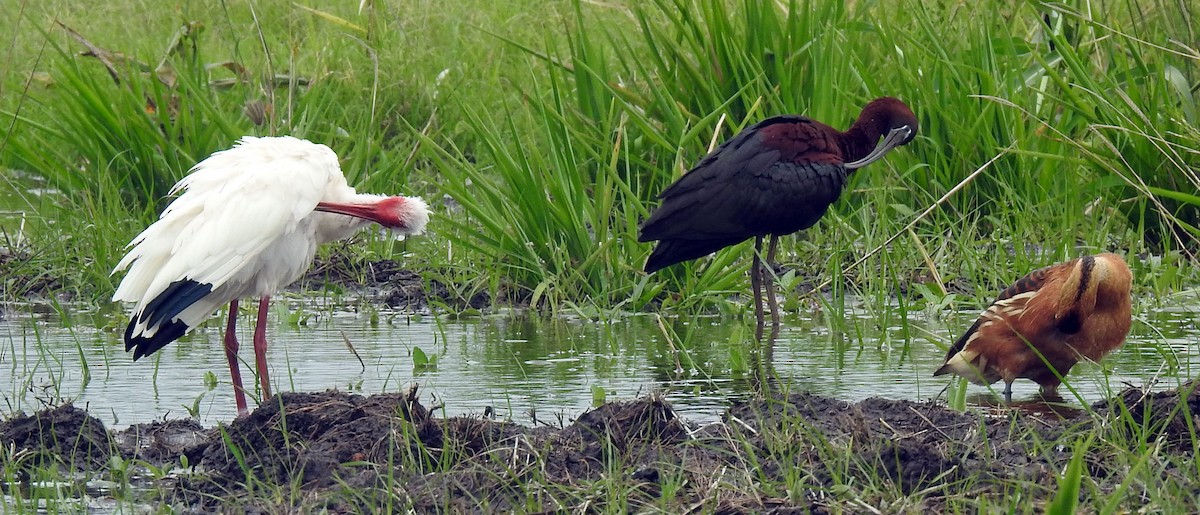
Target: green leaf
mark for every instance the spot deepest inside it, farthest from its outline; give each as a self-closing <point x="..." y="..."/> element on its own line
<point x="1067" y="499"/>
<point x="599" y="395"/>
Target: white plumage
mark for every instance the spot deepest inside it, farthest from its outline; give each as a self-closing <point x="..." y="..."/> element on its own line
<point x="247" y="223"/>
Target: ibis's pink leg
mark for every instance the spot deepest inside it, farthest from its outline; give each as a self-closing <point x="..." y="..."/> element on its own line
<point x="260" y="345"/>
<point x="231" y="349"/>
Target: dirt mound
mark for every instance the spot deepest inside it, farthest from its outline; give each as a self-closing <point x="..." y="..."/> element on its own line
<point x="332" y="439"/>
<point x="162" y="443"/>
<point x="19" y="277"/>
<point x="906" y="440"/>
<point x="338" y="452"/>
<point x="310" y="440"/>
<point x="1172" y="415"/>
<point x="65" y="436"/>
<point x="494" y="462"/>
<point x="387" y="281"/>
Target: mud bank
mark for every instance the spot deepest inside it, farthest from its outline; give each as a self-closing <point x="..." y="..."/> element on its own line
<point x="797" y="453"/>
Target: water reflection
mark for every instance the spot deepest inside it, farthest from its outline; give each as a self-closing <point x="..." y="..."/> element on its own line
<point x="525" y="366"/>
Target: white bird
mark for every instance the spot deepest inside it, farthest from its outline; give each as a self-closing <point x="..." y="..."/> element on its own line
<point x="247" y="223"/>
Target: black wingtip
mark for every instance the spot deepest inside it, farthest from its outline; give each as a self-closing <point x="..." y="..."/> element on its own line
<point x="175" y="298"/>
<point x="145" y="346"/>
<point x="961" y="342"/>
<point x="161" y="313"/>
<point x="656" y="261"/>
<point x="667" y="253"/>
<point x="670" y="252"/>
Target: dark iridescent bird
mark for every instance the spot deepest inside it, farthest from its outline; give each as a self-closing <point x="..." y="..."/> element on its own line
<point x="775" y="178"/>
<point x="1054" y="316"/>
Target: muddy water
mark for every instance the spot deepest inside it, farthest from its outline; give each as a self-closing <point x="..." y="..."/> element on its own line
<point x="524" y="368"/>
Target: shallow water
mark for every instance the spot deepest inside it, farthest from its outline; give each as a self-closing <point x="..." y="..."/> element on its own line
<point x="527" y="368"/>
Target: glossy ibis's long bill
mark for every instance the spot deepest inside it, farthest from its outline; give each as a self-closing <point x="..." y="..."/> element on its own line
<point x="895" y="138"/>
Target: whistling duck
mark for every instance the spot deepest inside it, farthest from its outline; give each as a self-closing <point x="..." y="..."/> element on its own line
<point x="1044" y="323"/>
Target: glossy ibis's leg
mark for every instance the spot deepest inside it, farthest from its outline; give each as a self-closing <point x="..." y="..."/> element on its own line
<point x="231" y="349"/>
<point x="756" y="285"/>
<point x="1008" y="391"/>
<point x="769" y="279"/>
<point x="260" y="345"/>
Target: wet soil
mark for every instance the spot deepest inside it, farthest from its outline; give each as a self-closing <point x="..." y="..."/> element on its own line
<point x="383" y="281"/>
<point x="19" y="279"/>
<point x="340" y="452"/>
<point x="388" y="282"/>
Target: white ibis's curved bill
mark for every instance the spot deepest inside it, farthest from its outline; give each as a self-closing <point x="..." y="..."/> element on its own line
<point x="895" y="138"/>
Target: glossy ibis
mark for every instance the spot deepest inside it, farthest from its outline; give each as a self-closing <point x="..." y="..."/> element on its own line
<point x="1044" y="323"/>
<point x="247" y="223"/>
<point x="775" y="178"/>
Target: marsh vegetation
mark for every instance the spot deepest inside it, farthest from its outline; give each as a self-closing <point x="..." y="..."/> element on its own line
<point x="541" y="133"/>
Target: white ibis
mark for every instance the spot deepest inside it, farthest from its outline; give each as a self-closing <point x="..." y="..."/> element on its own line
<point x="247" y="223"/>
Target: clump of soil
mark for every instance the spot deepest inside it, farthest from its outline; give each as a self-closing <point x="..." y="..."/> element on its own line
<point x="1159" y="410"/>
<point x="65" y="436"/>
<point x="339" y="452"/>
<point x="18" y="278"/>
<point x="162" y="443"/>
<point x="387" y="281"/>
<point x="310" y="440"/>
<point x="905" y="440"/>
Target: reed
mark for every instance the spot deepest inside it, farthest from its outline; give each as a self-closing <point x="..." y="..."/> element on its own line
<point x="597" y="108"/>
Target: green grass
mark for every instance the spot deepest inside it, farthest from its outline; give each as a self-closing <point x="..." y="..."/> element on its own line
<point x="554" y="129"/>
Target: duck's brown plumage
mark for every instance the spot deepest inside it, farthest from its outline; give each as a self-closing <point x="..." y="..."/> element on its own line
<point x="1056" y="315"/>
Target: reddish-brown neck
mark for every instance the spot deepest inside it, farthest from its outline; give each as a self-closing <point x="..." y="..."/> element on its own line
<point x="877" y="118"/>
